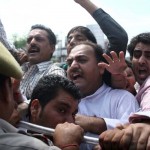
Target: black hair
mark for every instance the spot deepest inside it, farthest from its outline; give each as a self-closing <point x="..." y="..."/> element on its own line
<point x="48" y="87"/>
<point x="143" y="38"/>
<point x="51" y="35"/>
<point x="85" y="31"/>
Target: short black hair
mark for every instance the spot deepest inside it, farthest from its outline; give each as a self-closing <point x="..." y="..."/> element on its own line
<point x="48" y="87"/>
<point x="143" y="38"/>
<point x="85" y="31"/>
<point x="51" y="35"/>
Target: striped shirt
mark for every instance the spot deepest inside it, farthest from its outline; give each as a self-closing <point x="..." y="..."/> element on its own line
<point x="3" y="38"/>
<point x="34" y="73"/>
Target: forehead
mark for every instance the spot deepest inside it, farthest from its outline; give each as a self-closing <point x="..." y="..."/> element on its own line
<point x="142" y="47"/>
<point x="63" y="97"/>
<point x="82" y="49"/>
<point x="76" y="34"/>
<point x="38" y="32"/>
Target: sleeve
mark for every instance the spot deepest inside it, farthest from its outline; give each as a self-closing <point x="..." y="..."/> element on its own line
<point x="3" y="38"/>
<point x="121" y="110"/>
<point x="116" y="35"/>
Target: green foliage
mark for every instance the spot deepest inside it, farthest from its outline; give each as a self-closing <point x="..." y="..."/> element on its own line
<point x="19" y="42"/>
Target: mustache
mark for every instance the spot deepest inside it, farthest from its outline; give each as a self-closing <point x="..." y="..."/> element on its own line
<point x="74" y="71"/>
<point x="33" y="47"/>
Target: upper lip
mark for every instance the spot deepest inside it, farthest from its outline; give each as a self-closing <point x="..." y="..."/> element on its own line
<point x="33" y="49"/>
<point x="75" y="75"/>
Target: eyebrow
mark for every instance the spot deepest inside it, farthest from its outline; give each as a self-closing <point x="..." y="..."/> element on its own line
<point x="62" y="103"/>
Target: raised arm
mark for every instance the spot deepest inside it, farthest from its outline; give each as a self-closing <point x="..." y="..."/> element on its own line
<point x="116" y="35"/>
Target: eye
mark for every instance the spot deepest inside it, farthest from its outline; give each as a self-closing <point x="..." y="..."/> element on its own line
<point x="82" y="60"/>
<point x="38" y="39"/>
<point x="69" y="62"/>
<point x="62" y="110"/>
<point x="137" y="54"/>
<point x="147" y="55"/>
<point x="29" y="40"/>
<point x="68" y="40"/>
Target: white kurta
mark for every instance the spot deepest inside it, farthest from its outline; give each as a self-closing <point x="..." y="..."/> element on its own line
<point x="113" y="105"/>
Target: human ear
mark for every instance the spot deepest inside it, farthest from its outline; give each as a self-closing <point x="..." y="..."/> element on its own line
<point x="35" y="110"/>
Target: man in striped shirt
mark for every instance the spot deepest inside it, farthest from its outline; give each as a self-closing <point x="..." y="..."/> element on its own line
<point x="41" y="43"/>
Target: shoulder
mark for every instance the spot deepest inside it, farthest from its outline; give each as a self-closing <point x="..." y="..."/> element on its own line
<point x="16" y="141"/>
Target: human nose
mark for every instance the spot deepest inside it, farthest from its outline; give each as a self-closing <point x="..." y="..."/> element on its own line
<point x="70" y="119"/>
<point x="74" y="64"/>
<point x="33" y="41"/>
<point x="142" y="60"/>
<point x="73" y="41"/>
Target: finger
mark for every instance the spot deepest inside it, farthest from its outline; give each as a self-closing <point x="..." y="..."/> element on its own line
<point x="122" y="57"/>
<point x="143" y="138"/>
<point x="108" y="58"/>
<point x="135" y="138"/>
<point x="148" y="143"/>
<point x="101" y="138"/>
<point x="126" y="138"/>
<point x="116" y="139"/>
<point x="107" y="139"/>
<point x="114" y="56"/>
<point x="103" y="65"/>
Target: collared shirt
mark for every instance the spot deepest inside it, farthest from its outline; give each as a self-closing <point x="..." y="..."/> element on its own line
<point x="35" y="72"/>
<point x="143" y="95"/>
<point x="113" y="105"/>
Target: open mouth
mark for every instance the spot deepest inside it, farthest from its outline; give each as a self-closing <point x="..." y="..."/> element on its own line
<point x="33" y="50"/>
<point x="142" y="73"/>
<point x="76" y="76"/>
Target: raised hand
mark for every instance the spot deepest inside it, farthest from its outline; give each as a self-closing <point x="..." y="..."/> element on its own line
<point x="116" y="65"/>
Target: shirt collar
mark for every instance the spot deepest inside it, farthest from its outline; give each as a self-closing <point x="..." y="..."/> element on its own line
<point x="41" y="66"/>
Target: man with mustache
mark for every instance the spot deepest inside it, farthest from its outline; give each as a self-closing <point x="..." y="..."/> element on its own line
<point x="101" y="107"/>
<point x="41" y="43"/>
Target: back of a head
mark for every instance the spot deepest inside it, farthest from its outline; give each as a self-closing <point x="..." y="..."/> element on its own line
<point x="143" y="38"/>
<point x="85" y="31"/>
<point x="51" y="35"/>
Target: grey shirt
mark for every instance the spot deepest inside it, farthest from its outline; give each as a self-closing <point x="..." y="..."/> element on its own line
<point x="12" y="140"/>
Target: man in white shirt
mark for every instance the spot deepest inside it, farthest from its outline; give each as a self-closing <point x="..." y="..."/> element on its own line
<point x="101" y="107"/>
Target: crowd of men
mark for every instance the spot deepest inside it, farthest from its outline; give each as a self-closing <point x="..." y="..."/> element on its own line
<point x="95" y="95"/>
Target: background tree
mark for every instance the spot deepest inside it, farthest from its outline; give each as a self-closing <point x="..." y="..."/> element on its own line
<point x="19" y="42"/>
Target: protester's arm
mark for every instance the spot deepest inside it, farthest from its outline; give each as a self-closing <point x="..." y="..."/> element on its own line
<point x="91" y="124"/>
<point x="68" y="136"/>
<point x="135" y="137"/>
<point x="116" y="35"/>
